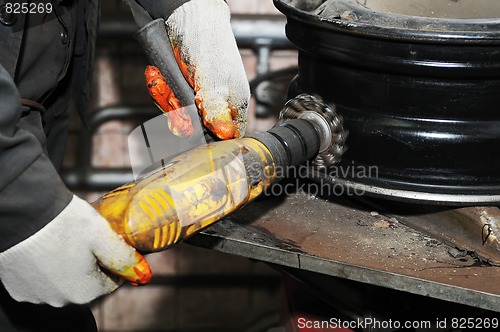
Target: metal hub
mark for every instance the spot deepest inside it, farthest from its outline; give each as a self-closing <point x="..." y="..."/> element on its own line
<point x="327" y="123"/>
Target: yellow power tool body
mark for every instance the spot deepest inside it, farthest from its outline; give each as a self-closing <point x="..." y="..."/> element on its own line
<point x="201" y="186"/>
<point x="188" y="194"/>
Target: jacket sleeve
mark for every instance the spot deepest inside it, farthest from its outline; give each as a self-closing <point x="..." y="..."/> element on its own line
<point x="31" y="192"/>
<point x="161" y="8"/>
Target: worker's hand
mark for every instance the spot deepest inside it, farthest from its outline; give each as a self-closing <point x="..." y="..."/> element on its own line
<point x="206" y="51"/>
<point x="61" y="263"/>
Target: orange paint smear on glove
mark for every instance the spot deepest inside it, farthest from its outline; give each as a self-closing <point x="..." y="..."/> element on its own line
<point x="186" y="68"/>
<point x="179" y="122"/>
<point x="137" y="274"/>
<point x="221" y="124"/>
<point x="142" y="271"/>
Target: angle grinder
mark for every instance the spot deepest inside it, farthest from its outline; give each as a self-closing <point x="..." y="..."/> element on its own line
<point x="202" y="185"/>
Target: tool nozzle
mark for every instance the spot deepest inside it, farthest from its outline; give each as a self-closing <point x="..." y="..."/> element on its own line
<point x="308" y="129"/>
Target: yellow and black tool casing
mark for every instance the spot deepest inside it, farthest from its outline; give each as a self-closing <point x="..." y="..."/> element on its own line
<point x="191" y="192"/>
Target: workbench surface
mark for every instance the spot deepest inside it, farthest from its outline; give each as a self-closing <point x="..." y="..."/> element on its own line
<point x="341" y="237"/>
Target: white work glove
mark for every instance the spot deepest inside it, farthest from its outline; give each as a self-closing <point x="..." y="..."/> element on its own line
<point x="206" y="51"/>
<point x="60" y="264"/>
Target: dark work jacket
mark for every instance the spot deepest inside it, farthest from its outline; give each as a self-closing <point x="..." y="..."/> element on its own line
<point x="32" y="142"/>
<point x="25" y="134"/>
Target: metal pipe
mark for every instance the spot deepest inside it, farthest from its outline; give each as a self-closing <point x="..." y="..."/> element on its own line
<point x="247" y="29"/>
<point x="86" y="177"/>
<point x="260" y="33"/>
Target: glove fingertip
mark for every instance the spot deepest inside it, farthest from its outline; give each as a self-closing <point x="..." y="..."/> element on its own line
<point x="223" y="129"/>
<point x="139" y="273"/>
<point x="142" y="271"/>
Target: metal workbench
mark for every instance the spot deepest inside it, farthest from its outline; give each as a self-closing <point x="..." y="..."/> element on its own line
<point x="344" y="237"/>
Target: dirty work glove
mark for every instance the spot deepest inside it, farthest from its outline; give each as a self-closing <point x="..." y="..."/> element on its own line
<point x="60" y="264"/>
<point x="206" y="51"/>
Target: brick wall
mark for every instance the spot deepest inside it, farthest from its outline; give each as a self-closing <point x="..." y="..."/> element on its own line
<point x="194" y="289"/>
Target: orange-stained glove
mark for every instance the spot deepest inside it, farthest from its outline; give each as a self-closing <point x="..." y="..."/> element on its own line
<point x="206" y="51"/>
<point x="61" y="263"/>
<point x="179" y="121"/>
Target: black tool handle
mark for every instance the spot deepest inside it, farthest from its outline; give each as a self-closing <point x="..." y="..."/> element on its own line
<point x="156" y="43"/>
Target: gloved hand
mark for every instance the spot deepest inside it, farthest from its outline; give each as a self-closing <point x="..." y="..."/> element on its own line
<point x="60" y="264"/>
<point x="206" y="51"/>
